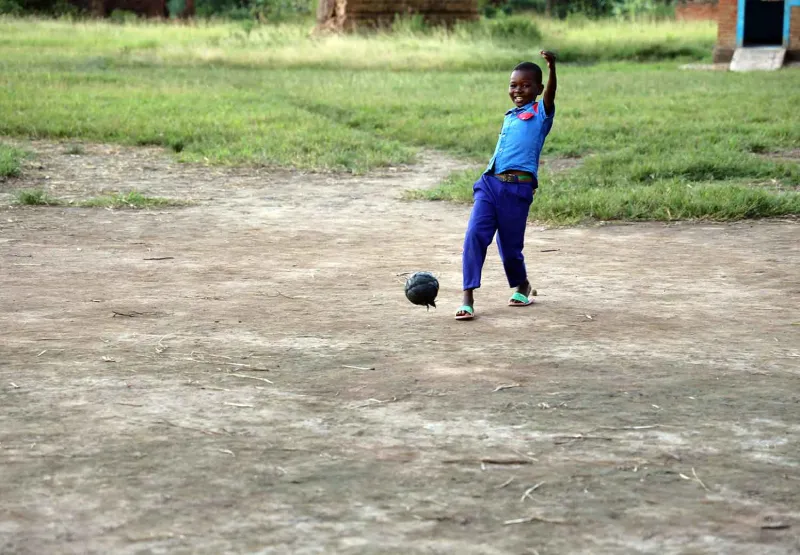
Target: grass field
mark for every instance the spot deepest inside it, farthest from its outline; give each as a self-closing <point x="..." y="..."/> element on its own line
<point x="656" y="142"/>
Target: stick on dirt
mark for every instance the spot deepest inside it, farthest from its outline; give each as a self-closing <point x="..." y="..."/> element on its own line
<point x="699" y="481"/>
<point x="489" y="460"/>
<point x="533" y="519"/>
<point x="530" y="490"/>
<point x="504" y="484"/>
<point x="126" y="314"/>
<point x="236" y="364"/>
<point x="520" y="453"/>
<point x="775" y="526"/>
<point x="506" y="386"/>
<point x="371" y="402"/>
<point x="249" y="377"/>
<point x="569" y="439"/>
<point x="627" y="427"/>
<point x="214" y="388"/>
<point x="160" y="347"/>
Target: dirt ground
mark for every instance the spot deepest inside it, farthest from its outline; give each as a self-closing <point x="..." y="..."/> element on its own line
<point x="245" y="375"/>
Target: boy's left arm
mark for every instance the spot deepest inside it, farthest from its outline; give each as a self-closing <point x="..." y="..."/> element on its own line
<point x="549" y="96"/>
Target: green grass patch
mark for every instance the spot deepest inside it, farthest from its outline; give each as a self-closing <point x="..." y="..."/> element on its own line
<point x="132" y="199"/>
<point x="35" y="197"/>
<point x="11" y="161"/>
<point x="565" y="200"/>
<point x="74" y="149"/>
<point x="275" y="96"/>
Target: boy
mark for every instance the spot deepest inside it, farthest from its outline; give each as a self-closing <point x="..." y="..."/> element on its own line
<point x="504" y="192"/>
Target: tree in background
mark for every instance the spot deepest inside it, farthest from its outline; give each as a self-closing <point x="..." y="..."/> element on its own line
<point x="588" y="8"/>
<point x="282" y="10"/>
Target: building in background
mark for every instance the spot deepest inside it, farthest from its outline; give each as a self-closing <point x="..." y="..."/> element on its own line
<point x="696" y="10"/>
<point x="766" y="30"/>
<point x="347" y="15"/>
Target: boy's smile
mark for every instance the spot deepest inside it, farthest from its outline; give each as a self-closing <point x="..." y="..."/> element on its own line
<point x="524" y="87"/>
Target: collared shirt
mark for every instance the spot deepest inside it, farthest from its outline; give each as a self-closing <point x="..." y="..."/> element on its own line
<point x="521" y="140"/>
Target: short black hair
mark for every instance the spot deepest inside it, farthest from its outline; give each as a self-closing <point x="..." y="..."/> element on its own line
<point x="533" y="68"/>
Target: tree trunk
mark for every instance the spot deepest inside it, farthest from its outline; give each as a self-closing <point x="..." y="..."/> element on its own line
<point x="325" y="11"/>
<point x="98" y="8"/>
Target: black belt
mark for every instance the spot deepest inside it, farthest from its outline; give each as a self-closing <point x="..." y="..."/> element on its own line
<point x="512" y="178"/>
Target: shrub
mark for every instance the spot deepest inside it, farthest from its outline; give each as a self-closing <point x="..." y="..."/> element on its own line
<point x="514" y="28"/>
<point x="10" y="7"/>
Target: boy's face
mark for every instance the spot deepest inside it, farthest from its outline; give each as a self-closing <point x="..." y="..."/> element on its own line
<point x="524" y="87"/>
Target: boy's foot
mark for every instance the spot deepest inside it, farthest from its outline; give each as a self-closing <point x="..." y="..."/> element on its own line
<point x="522" y="295"/>
<point x="466" y="312"/>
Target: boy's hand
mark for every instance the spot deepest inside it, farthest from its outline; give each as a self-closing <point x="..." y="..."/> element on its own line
<point x="549" y="96"/>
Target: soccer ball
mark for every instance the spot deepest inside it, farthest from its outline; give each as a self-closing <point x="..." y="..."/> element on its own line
<point x="422" y="288"/>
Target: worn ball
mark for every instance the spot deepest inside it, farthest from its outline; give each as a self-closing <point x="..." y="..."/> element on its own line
<point x="422" y="288"/>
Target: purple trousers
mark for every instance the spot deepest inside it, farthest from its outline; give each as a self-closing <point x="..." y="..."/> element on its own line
<point x="500" y="208"/>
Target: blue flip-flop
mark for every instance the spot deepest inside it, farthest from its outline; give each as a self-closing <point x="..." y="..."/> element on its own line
<point x="518" y="299"/>
<point x="470" y="313"/>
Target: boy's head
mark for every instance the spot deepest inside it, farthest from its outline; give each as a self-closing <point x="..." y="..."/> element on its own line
<point x="526" y="83"/>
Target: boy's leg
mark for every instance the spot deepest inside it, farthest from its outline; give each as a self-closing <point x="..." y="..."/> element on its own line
<point x="513" y="210"/>
<point x="480" y="232"/>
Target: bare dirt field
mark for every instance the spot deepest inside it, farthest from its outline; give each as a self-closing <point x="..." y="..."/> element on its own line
<point x="245" y="375"/>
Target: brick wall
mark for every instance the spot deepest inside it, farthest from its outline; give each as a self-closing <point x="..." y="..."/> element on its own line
<point x="349" y="14"/>
<point x="726" y="30"/>
<point x="794" y="29"/>
<point x="694" y="11"/>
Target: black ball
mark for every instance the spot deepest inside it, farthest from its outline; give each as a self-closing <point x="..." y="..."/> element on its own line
<point x="422" y="288"/>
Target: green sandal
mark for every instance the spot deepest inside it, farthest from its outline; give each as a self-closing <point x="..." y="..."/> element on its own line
<point x="518" y="299"/>
<point x="470" y="313"/>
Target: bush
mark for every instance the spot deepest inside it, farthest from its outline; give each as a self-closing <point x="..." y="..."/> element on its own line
<point x="263" y="10"/>
<point x="58" y="8"/>
<point x="413" y="24"/>
<point x="620" y="9"/>
<point x="175" y="7"/>
<point x="490" y="9"/>
<point x="123" y="16"/>
<point x="516" y="28"/>
<point x="10" y="7"/>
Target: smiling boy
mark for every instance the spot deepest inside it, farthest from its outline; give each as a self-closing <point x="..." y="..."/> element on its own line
<point x="504" y="192"/>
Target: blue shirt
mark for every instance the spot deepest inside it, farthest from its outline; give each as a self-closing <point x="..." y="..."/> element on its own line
<point x="521" y="140"/>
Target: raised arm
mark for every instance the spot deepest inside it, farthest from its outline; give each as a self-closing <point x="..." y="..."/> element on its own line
<point x="549" y="95"/>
